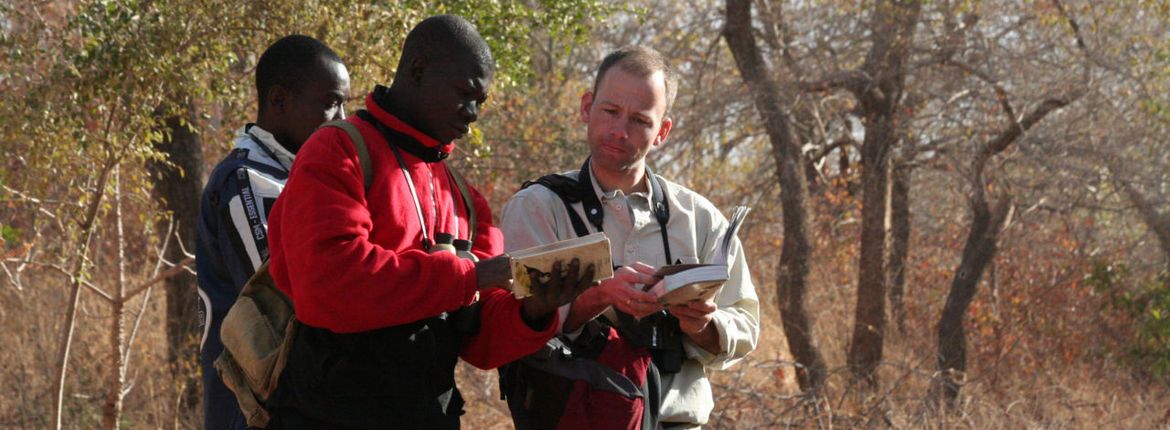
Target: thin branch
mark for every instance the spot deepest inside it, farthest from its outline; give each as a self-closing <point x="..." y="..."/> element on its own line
<point x="112" y="412"/>
<point x="1075" y="27"/>
<point x="88" y="229"/>
<point x="1009" y="135"/>
<point x="39" y="201"/>
<point x="827" y="149"/>
<point x="146" y="299"/>
<point x="1000" y="93"/>
<point x="854" y="81"/>
<point x="90" y="286"/>
<point x="182" y="266"/>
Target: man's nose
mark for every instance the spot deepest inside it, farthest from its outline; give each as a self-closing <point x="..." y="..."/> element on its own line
<point x="340" y="115"/>
<point x="470" y="111"/>
<point x="618" y="130"/>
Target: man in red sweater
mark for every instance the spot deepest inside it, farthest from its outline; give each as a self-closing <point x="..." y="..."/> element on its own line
<point x="384" y="315"/>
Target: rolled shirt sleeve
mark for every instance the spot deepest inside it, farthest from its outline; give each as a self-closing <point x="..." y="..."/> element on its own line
<point x="737" y="319"/>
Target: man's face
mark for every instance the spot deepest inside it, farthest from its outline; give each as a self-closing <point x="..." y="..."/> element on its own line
<point x="320" y="100"/>
<point x="625" y="118"/>
<point x="451" y="96"/>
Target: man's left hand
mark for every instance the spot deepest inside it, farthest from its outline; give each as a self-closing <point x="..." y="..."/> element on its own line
<point x="694" y="319"/>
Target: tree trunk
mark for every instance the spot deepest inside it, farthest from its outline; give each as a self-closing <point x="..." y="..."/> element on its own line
<point x="78" y="272"/>
<point x="892" y="32"/>
<point x="795" y="251"/>
<point x="112" y="415"/>
<point x="1157" y="223"/>
<point x="869" y="325"/>
<point x="179" y="186"/>
<point x="899" y="241"/>
<point x="977" y="254"/>
<point x="986" y="223"/>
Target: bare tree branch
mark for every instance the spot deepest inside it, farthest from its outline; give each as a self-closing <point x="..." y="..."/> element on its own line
<point x="855" y="81"/>
<point x="183" y="265"/>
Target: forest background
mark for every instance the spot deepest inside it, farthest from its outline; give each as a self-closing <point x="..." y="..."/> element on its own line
<point x="962" y="209"/>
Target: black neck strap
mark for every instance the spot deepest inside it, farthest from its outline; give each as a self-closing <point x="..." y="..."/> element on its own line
<point x="403" y="140"/>
<point x="589" y="200"/>
<point x="594" y="213"/>
<point x="395" y="140"/>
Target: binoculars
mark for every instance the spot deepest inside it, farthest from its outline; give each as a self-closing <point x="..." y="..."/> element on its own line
<point x="446" y="242"/>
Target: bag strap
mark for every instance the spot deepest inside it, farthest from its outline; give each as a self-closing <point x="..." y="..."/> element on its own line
<point x="588" y="196"/>
<point x="565" y="188"/>
<point x="580" y="190"/>
<point x="465" y="193"/>
<point x="556" y="358"/>
<point x="661" y="209"/>
<point x="394" y="139"/>
<point x="359" y="144"/>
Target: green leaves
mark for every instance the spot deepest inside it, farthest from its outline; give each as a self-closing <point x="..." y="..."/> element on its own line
<point x="1144" y="308"/>
<point x="9" y="235"/>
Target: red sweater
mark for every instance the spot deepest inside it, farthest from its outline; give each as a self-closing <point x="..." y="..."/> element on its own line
<point x="352" y="259"/>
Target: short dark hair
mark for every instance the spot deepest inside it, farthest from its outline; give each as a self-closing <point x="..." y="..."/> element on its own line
<point x="290" y="62"/>
<point x="445" y="37"/>
<point x="641" y="61"/>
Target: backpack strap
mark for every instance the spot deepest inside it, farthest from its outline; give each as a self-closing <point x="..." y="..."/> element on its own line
<point x="391" y="138"/>
<point x="557" y="358"/>
<point x="580" y="190"/>
<point x="465" y="193"/>
<point x="588" y="196"/>
<point x="359" y="144"/>
<point x="566" y="188"/>
<point x="661" y="208"/>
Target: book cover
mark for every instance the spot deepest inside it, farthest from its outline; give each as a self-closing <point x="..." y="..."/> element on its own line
<point x="592" y="249"/>
<point x="683" y="283"/>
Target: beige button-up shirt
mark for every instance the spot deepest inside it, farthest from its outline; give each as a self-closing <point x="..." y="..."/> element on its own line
<point x="536" y="216"/>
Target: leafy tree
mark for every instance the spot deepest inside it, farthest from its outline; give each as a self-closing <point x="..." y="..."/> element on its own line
<point x="119" y="97"/>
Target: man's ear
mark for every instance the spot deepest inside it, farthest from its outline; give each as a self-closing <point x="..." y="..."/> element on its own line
<point x="418" y="67"/>
<point x="663" y="131"/>
<point x="278" y="99"/>
<point x="586" y="104"/>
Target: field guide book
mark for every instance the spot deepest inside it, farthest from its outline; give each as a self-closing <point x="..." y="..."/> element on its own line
<point x="683" y="283"/>
<point x="592" y="249"/>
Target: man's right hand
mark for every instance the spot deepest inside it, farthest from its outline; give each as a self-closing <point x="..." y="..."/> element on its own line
<point x="495" y="272"/>
<point x="623" y="291"/>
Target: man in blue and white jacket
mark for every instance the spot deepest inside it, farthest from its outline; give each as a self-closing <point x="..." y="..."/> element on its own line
<point x="301" y="83"/>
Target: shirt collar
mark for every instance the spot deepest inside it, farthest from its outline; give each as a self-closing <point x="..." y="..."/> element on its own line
<point x="263" y="137"/>
<point x="616" y="192"/>
<point x="397" y="124"/>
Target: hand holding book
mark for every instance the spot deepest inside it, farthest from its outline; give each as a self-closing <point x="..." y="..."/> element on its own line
<point x="622" y="292"/>
<point x="684" y="283"/>
<point x="625" y="291"/>
<point x="536" y="263"/>
<point x="560" y="286"/>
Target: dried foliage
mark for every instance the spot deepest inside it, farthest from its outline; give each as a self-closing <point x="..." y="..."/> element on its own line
<point x="1066" y="322"/>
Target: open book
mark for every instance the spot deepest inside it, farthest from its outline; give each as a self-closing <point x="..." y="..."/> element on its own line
<point x="592" y="249"/>
<point x="682" y="283"/>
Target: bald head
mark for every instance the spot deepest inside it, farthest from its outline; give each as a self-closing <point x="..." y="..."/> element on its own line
<point x="444" y="38"/>
<point x="443" y="78"/>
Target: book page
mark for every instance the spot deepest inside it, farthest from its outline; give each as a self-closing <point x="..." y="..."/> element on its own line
<point x="737" y="216"/>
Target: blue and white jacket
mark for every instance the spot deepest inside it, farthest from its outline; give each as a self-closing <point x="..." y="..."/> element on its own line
<point x="231" y="243"/>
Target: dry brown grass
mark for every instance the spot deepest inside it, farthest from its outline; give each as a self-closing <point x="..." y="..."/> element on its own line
<point x="1039" y="356"/>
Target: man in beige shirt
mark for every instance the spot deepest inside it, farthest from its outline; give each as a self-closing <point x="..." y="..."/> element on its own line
<point x="626" y="115"/>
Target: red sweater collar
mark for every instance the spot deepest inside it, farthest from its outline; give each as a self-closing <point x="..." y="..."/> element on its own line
<point x="393" y="122"/>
